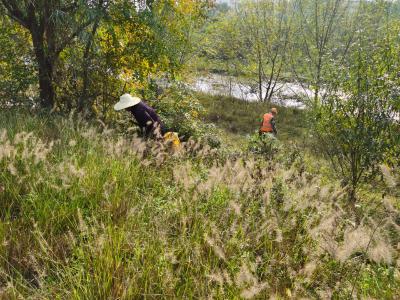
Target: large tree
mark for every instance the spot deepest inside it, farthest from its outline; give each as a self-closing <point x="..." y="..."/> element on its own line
<point x="53" y="25"/>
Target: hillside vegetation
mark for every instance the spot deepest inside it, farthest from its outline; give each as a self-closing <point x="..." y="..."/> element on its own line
<point x="88" y="213"/>
<point x="92" y="207"/>
<point x="240" y="118"/>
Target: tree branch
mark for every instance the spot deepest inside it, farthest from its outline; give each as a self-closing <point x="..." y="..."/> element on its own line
<point x="72" y="36"/>
<point x="15" y="13"/>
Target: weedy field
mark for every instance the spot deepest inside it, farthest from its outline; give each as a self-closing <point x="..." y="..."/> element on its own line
<point x="89" y="213"/>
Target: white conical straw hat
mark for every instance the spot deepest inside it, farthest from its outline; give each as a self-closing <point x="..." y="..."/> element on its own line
<point x="125" y="101"/>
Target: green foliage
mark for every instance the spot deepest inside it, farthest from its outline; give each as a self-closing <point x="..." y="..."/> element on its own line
<point x="250" y="41"/>
<point x="354" y="120"/>
<point x="237" y="117"/>
<point x="181" y="111"/>
<point x="372" y="276"/>
<point x="222" y="47"/>
<point x="265" y="144"/>
<point x="93" y="52"/>
<point x="277" y="191"/>
<point x="17" y="69"/>
<point x="322" y="33"/>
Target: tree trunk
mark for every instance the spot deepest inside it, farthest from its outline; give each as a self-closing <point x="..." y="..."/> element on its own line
<point x="318" y="80"/>
<point x="86" y="63"/>
<point x="45" y="71"/>
<point x="260" y="78"/>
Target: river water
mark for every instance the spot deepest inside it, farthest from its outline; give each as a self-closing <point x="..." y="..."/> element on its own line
<point x="288" y="94"/>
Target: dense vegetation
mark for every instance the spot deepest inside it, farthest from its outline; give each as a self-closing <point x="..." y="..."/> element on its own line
<point x="88" y="213"/>
<point x="90" y="210"/>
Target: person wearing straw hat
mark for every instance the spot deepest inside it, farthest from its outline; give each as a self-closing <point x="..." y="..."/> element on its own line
<point x="146" y="118"/>
<point x="268" y="124"/>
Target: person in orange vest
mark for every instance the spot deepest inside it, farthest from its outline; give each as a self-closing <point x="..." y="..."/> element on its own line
<point x="268" y="123"/>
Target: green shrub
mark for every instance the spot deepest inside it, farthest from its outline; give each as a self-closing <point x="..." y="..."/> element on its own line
<point x="278" y="191"/>
<point x="180" y="111"/>
<point x="266" y="145"/>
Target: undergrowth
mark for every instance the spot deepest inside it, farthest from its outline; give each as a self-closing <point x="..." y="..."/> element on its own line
<point x="88" y="213"/>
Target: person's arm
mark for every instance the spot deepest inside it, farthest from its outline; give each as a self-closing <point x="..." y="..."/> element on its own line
<point x="150" y="117"/>
<point x="261" y="124"/>
<point x="274" y="126"/>
<point x="156" y="126"/>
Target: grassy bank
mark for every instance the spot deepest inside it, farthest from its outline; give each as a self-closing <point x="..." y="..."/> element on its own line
<point x="240" y="118"/>
<point x="87" y="213"/>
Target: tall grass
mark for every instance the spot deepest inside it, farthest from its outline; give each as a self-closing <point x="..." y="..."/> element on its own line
<point x="87" y="213"/>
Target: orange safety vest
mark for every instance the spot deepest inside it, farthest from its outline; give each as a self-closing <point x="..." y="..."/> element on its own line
<point x="266" y="124"/>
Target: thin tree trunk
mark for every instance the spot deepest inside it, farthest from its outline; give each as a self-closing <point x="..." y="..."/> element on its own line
<point x="45" y="70"/>
<point x="86" y="63"/>
<point x="318" y="80"/>
<point x="260" y="80"/>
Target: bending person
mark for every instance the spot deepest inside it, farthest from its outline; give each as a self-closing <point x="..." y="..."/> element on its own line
<point x="268" y="124"/>
<point x="145" y="116"/>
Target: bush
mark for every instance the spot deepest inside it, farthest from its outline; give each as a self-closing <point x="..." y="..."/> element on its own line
<point x="265" y="144"/>
<point x="180" y="111"/>
<point x="212" y="140"/>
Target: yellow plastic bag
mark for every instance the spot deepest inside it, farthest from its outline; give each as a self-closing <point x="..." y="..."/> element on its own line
<point x="173" y="139"/>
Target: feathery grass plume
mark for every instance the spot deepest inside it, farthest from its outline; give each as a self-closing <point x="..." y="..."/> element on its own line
<point x="12" y="169"/>
<point x="108" y="188"/>
<point x="41" y="151"/>
<point x="218" y="251"/>
<point x="21" y="138"/>
<point x="227" y="277"/>
<point x="73" y="171"/>
<point x="309" y="269"/>
<point x="324" y="193"/>
<point x="71" y="238"/>
<point x="183" y="175"/>
<point x="325" y="294"/>
<point x="3" y="135"/>
<point x="235" y="208"/>
<point x="381" y="252"/>
<point x="253" y="291"/>
<point x="7" y="150"/>
<point x="138" y="147"/>
<point x="338" y="194"/>
<point x="90" y="133"/>
<point x="390" y="180"/>
<point x="171" y="257"/>
<point x="325" y="232"/>
<point x="83" y="228"/>
<point x="217" y="277"/>
<point x="166" y="234"/>
<point x="214" y="178"/>
<point x="266" y="201"/>
<point x="245" y="277"/>
<point x="389" y="205"/>
<point x="278" y="236"/>
<point x="355" y="240"/>
<point x="39" y="271"/>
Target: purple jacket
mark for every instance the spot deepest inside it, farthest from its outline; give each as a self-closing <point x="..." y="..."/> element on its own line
<point x="146" y="117"/>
